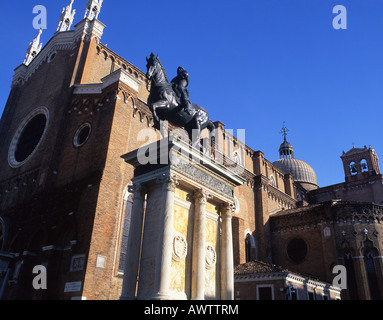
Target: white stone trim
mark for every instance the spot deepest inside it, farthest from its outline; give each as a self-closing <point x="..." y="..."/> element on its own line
<point x="265" y="286"/>
<point x="66" y="40"/>
<point x="75" y="138"/>
<point x="118" y="75"/>
<point x="252" y="240"/>
<point x="123" y="76"/>
<point x="288" y="277"/>
<point x="60" y="41"/>
<point x="12" y="148"/>
<point x="93" y="88"/>
<point x="182" y="203"/>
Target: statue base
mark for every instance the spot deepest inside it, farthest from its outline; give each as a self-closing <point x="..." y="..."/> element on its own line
<point x="180" y="239"/>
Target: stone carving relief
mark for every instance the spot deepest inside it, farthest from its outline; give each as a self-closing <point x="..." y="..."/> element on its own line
<point x="180" y="247"/>
<point x="211" y="256"/>
<point x="199" y="175"/>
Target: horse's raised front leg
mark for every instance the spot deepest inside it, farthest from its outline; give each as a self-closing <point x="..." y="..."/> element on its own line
<point x="161" y="104"/>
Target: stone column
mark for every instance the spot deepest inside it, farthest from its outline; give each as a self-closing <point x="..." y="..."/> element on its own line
<point x="134" y="244"/>
<point x="227" y="260"/>
<point x="165" y="239"/>
<point x="199" y="246"/>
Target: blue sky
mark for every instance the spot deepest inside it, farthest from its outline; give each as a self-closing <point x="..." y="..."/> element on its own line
<point x="252" y="63"/>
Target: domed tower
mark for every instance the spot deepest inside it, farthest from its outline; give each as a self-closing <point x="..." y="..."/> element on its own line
<point x="302" y="172"/>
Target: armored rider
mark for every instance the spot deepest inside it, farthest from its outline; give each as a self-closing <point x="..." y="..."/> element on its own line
<point x="180" y="83"/>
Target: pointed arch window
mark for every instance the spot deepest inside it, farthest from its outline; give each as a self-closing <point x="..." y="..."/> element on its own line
<point x="351" y="277"/>
<point x="248" y="248"/>
<point x="371" y="275"/>
<point x="127" y="214"/>
<point x="273" y="183"/>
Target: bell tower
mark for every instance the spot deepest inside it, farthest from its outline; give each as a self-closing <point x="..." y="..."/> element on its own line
<point x="360" y="163"/>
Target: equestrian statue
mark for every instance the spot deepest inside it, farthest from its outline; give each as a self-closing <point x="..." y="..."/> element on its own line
<point x="170" y="101"/>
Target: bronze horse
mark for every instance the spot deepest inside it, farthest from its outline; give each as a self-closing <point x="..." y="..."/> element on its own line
<point x="166" y="105"/>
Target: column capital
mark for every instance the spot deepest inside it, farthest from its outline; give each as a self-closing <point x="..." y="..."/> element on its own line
<point x="169" y="181"/>
<point x="136" y="188"/>
<point x="202" y="195"/>
<point x="226" y="208"/>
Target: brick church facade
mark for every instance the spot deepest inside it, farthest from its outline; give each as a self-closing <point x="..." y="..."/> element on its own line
<point x="75" y="107"/>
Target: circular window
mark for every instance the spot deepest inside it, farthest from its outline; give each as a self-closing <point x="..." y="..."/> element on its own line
<point x="297" y="250"/>
<point x="52" y="56"/>
<point x="28" y="137"/>
<point x="82" y="135"/>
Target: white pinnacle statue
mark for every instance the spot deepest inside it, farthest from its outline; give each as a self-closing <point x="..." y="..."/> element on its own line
<point x="66" y="18"/>
<point x="93" y="8"/>
<point x="33" y="49"/>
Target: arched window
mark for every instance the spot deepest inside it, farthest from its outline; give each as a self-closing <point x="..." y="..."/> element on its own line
<point x="351" y="282"/>
<point x="353" y="169"/>
<point x="363" y="165"/>
<point x="250" y="247"/>
<point x="237" y="157"/>
<point x="371" y="275"/>
<point x="273" y="183"/>
<point x="299" y="197"/>
<point x="127" y="214"/>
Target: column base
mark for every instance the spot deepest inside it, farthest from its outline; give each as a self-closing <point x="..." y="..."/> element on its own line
<point x="161" y="296"/>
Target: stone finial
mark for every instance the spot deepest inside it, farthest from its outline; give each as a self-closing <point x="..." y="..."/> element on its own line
<point x="93" y="8"/>
<point x="33" y="49"/>
<point x="66" y="18"/>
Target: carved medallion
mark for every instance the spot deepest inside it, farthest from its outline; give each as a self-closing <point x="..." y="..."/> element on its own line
<point x="180" y="247"/>
<point x="211" y="256"/>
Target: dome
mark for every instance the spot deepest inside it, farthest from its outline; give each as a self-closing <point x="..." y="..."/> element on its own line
<point x="300" y="170"/>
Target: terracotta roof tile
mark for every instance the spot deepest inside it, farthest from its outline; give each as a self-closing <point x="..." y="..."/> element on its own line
<point x="257" y="267"/>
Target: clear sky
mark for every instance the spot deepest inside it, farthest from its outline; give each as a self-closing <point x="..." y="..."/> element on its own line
<point x="252" y="63"/>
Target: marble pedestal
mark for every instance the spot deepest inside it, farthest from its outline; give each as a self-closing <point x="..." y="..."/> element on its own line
<point x="180" y="239"/>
